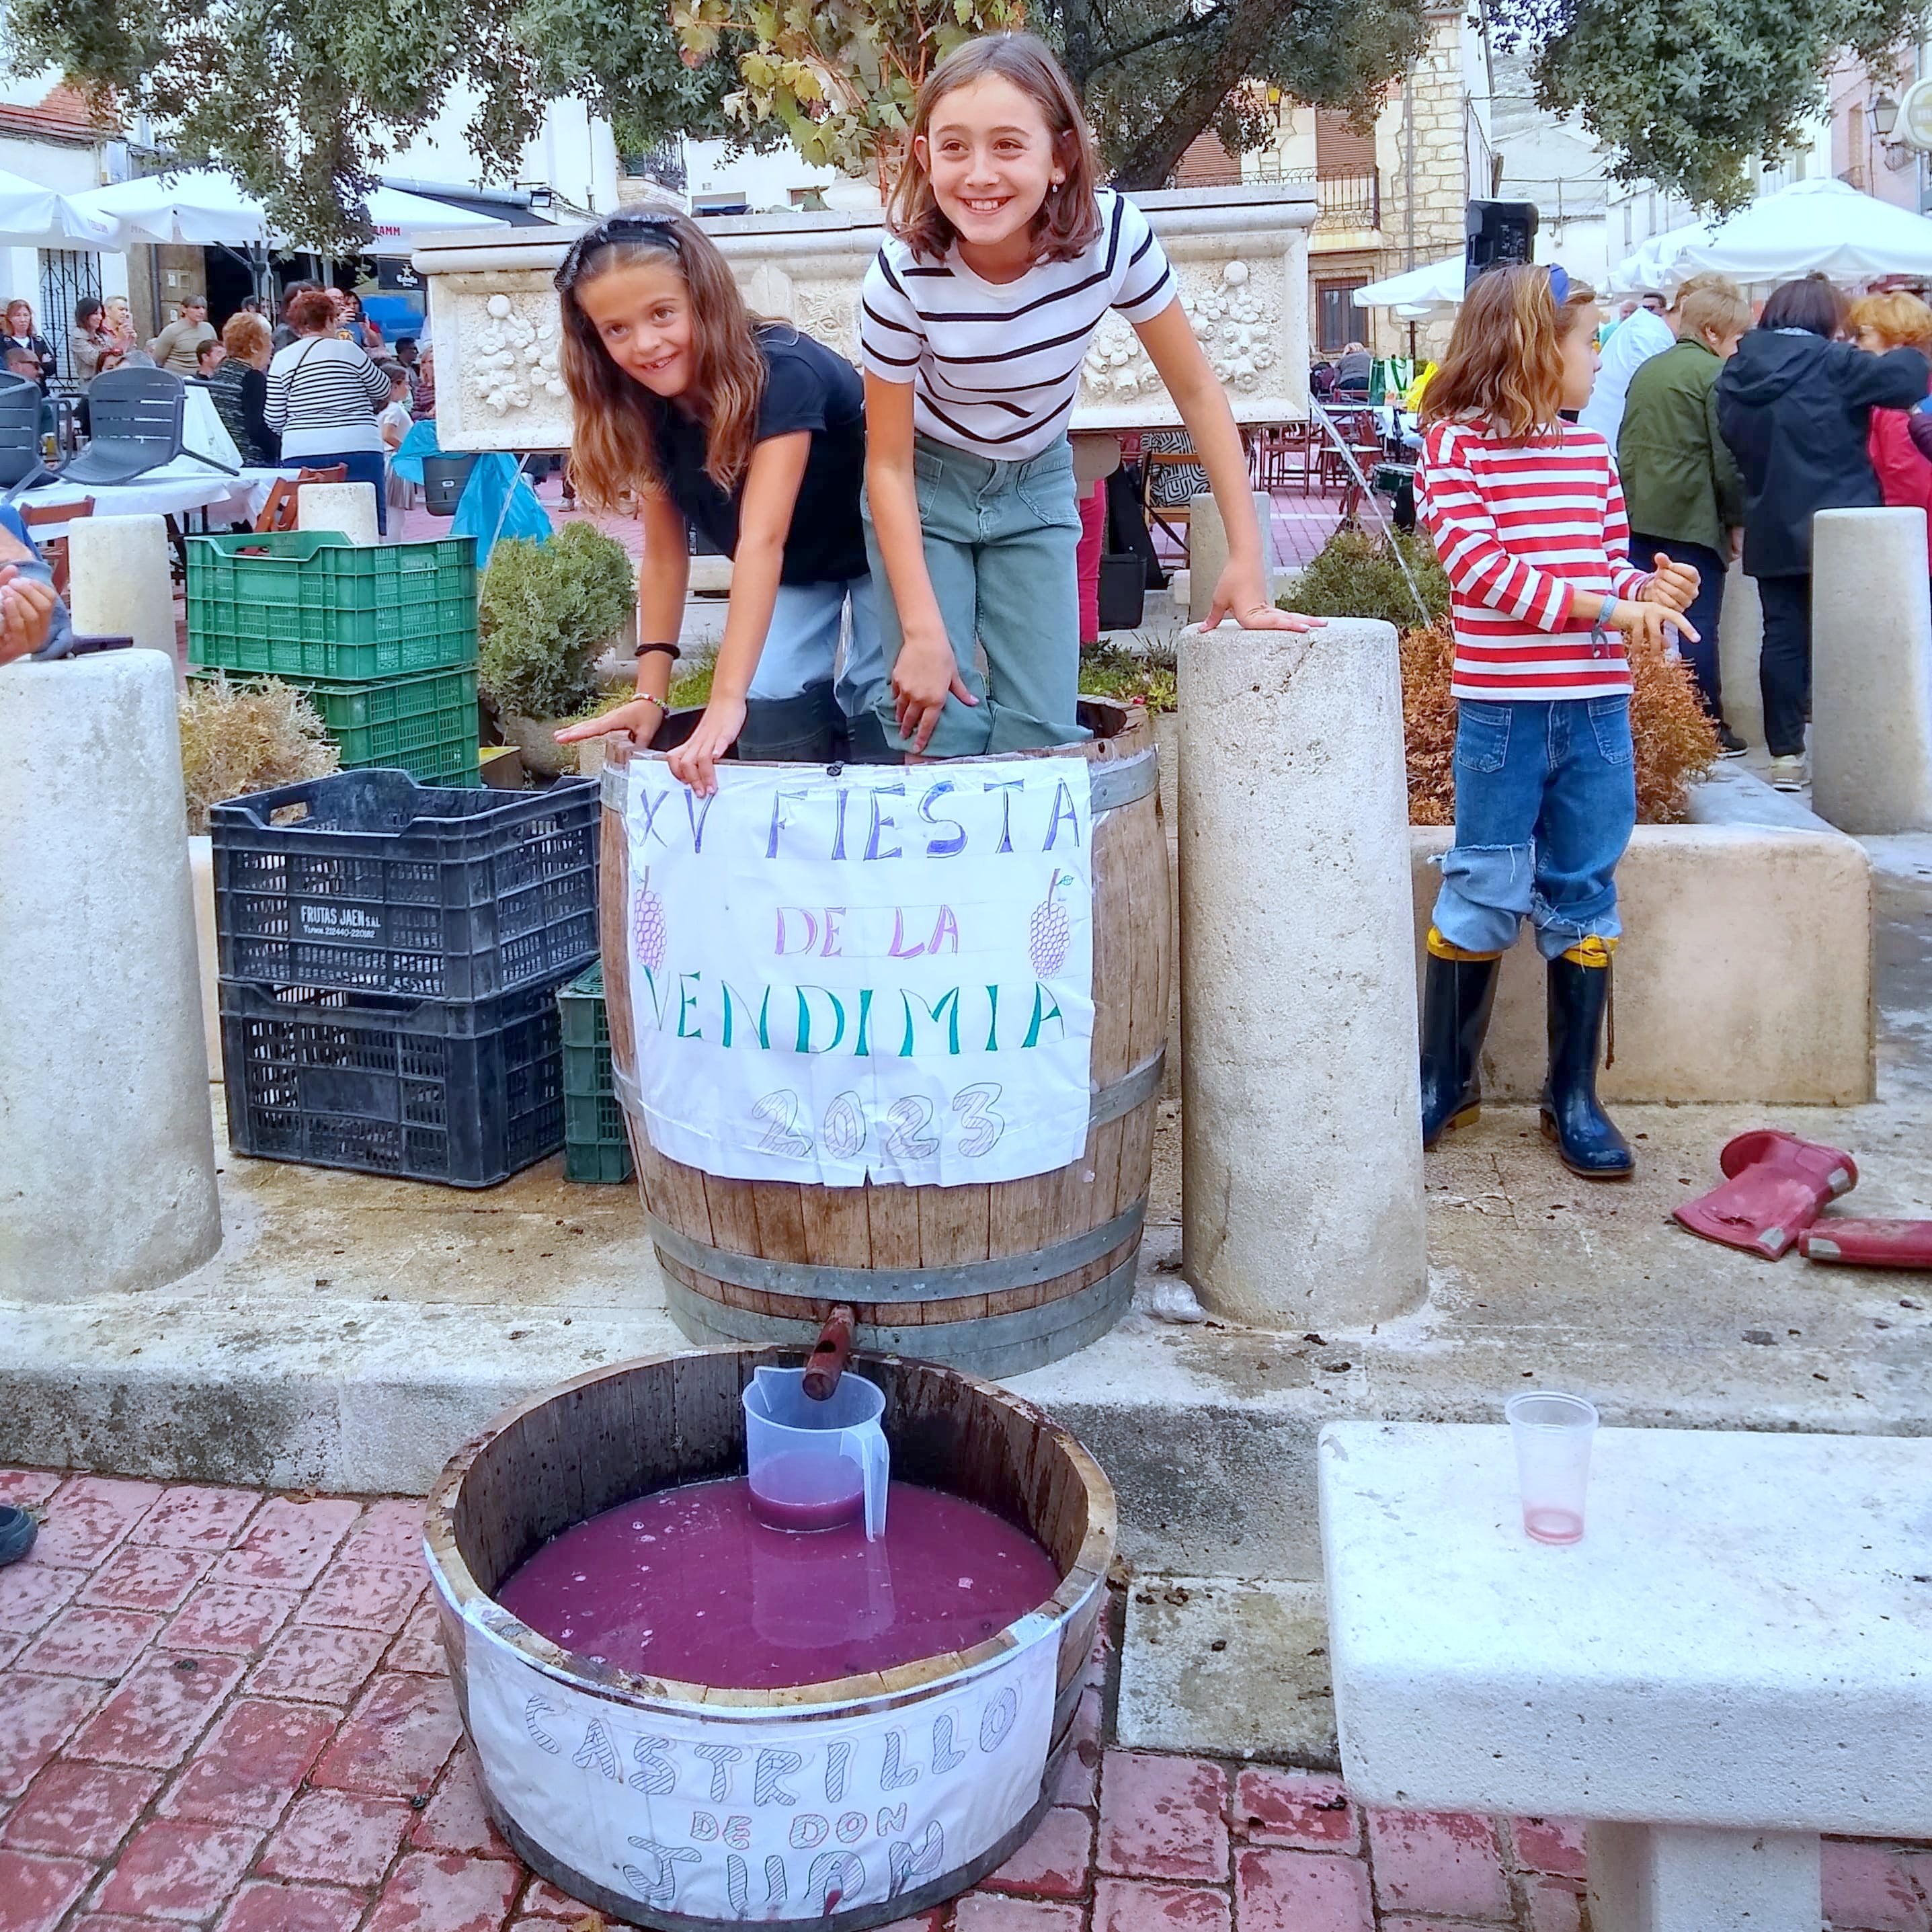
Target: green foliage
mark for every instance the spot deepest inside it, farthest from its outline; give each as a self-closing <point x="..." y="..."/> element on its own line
<point x="691" y="684"/>
<point x="1684" y="92"/>
<point x="546" y="610"/>
<point x="1147" y="672"/>
<point x="837" y="76"/>
<point x="1154" y="73"/>
<point x="303" y="100"/>
<point x="1357" y="575"/>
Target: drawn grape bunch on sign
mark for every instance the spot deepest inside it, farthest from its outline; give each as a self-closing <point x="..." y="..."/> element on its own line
<point x="647" y="926"/>
<point x="1052" y="932"/>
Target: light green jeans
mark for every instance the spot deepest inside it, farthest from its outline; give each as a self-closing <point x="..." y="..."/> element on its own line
<point x="1000" y="544"/>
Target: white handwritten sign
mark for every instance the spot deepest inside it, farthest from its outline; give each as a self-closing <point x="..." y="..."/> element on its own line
<point x="884" y="974"/>
<point x="743" y="1815"/>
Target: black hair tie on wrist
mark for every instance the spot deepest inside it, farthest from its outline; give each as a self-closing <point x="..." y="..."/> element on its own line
<point x="669" y="650"/>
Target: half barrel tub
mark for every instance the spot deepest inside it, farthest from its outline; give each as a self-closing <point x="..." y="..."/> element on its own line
<point x="621" y="1433"/>
<point x="996" y="1277"/>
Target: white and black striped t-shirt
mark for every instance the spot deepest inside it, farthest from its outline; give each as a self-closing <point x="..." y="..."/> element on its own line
<point x="995" y="367"/>
<point x="323" y="394"/>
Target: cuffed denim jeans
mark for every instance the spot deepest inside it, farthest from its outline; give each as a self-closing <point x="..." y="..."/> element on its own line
<point x="1546" y="801"/>
<point x="1001" y="548"/>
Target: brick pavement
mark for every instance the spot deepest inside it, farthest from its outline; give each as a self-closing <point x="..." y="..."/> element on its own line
<point x="227" y="1710"/>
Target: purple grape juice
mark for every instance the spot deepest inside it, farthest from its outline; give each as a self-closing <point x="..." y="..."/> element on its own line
<point x="690" y="1584"/>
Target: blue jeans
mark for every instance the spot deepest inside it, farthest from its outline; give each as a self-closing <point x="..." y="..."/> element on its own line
<point x="1706" y="610"/>
<point x="802" y="644"/>
<point x="1545" y="800"/>
<point x="1002" y="542"/>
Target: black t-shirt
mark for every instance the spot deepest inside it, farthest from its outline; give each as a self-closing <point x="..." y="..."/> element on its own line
<point x="807" y="387"/>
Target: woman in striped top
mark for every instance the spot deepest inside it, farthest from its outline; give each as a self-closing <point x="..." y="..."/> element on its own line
<point x="323" y="394"/>
<point x="977" y="315"/>
<point x="1527" y="518"/>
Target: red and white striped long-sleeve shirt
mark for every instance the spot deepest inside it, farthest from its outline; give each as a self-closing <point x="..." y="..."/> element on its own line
<point x="1517" y="526"/>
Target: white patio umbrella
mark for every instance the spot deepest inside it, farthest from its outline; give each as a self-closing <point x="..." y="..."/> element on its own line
<point x="203" y="207"/>
<point x="1825" y="226"/>
<point x="199" y="207"/>
<point x="33" y="217"/>
<point x="1431" y="293"/>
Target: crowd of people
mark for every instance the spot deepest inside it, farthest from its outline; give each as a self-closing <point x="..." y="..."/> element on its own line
<point x="343" y="396"/>
<point x="1730" y="437"/>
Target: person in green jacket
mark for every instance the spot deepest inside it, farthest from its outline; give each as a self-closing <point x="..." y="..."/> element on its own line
<point x="1681" y="487"/>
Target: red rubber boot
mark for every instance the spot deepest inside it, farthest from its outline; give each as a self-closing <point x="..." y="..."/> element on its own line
<point x="1776" y="1185"/>
<point x="1885" y="1244"/>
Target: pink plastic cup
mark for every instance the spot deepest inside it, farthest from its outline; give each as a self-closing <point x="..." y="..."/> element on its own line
<point x="1551" y="1433"/>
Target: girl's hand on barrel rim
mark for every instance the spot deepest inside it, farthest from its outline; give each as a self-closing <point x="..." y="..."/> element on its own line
<point x="639" y="719"/>
<point x="695" y="762"/>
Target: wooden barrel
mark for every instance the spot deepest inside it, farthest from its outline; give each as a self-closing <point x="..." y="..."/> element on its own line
<point x="621" y="1433"/>
<point x="994" y="1277"/>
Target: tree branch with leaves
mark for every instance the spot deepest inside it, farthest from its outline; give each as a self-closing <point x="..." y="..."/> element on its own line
<point x="840" y="77"/>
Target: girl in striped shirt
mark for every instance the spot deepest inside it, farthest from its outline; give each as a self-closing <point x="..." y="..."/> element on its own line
<point x="1527" y="518"/>
<point x="977" y="315"/>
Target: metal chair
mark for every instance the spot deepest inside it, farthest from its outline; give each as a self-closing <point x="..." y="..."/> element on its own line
<point x="21" y="466"/>
<point x="137" y="416"/>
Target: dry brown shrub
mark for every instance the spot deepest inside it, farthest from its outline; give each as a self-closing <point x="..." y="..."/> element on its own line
<point x="1429" y="725"/>
<point x="236" y="740"/>
<point x="1675" y="743"/>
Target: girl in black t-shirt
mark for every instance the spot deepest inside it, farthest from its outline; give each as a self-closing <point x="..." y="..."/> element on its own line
<point x="753" y="435"/>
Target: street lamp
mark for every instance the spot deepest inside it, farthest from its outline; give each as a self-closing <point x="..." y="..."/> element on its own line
<point x="1884" y="115"/>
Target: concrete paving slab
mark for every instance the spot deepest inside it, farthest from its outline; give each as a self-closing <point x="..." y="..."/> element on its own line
<point x="1231" y="1666"/>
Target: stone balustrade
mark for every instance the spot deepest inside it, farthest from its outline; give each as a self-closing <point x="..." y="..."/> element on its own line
<point x="1241" y="255"/>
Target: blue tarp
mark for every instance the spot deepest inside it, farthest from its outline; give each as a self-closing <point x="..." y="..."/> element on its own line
<point x="497" y="501"/>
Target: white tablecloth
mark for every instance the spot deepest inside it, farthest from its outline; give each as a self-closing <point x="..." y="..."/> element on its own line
<point x="172" y="490"/>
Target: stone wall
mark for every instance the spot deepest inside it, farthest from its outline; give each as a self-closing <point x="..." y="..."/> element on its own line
<point x="1441" y="171"/>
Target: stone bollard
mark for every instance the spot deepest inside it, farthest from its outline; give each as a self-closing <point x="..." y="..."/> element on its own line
<point x="348" y="508"/>
<point x="1740" y="638"/>
<point x="103" y="1073"/>
<point x="118" y="584"/>
<point x="1302" y="1138"/>
<point x="1871" y="671"/>
<point x="1207" y="550"/>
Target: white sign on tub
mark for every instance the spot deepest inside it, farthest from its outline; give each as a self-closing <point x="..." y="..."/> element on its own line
<point x="759" y="1815"/>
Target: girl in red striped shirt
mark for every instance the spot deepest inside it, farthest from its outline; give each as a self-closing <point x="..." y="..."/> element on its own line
<point x="1529" y="519"/>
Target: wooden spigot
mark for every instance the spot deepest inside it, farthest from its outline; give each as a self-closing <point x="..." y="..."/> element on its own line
<point x="834" y="1350"/>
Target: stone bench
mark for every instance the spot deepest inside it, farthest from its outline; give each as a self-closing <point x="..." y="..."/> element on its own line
<point x="1736" y="1658"/>
<point x="1745" y="974"/>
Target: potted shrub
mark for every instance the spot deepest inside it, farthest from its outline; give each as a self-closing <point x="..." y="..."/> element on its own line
<point x="547" y="610"/>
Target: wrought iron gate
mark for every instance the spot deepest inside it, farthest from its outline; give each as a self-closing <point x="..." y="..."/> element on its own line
<point x="66" y="275"/>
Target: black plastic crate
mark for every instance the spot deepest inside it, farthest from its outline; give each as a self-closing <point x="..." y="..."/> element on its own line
<point x="369" y="882"/>
<point x="463" y="1093"/>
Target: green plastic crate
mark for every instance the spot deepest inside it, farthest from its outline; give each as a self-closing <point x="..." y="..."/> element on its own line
<point x="596" y="1147"/>
<point x="425" y="724"/>
<point x="311" y="603"/>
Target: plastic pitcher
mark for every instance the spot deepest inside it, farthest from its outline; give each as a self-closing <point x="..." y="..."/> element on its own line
<point x="815" y="1464"/>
